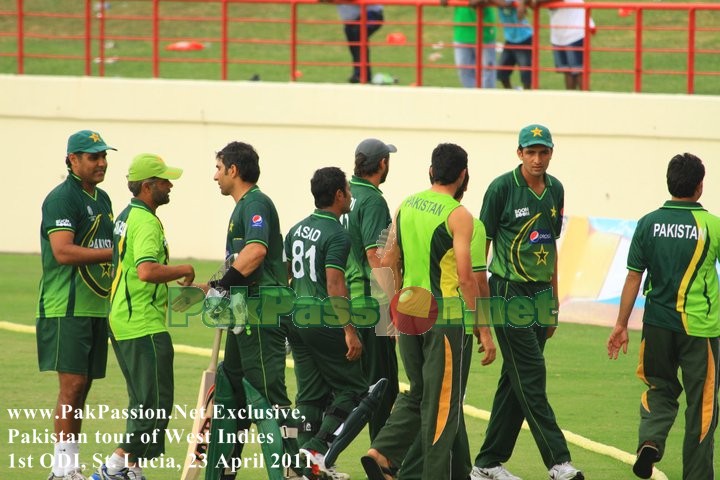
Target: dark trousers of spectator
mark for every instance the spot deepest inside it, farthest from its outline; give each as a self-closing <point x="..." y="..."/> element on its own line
<point x="352" y="33"/>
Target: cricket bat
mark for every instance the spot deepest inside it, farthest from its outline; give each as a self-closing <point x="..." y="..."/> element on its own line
<point x="197" y="449"/>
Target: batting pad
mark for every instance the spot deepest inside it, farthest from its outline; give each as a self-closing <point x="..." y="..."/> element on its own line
<point x="217" y="452"/>
<point x="268" y="426"/>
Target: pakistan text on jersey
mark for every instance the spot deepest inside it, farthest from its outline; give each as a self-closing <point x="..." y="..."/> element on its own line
<point x="425" y="205"/>
<point x="101" y="243"/>
<point x="674" y="230"/>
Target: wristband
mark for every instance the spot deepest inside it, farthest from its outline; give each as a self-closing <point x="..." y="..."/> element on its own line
<point x="232" y="278"/>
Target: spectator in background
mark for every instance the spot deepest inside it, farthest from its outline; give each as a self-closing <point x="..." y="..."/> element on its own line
<point x="350" y="15"/>
<point x="518" y="42"/>
<point x="567" y="35"/>
<point x="465" y="40"/>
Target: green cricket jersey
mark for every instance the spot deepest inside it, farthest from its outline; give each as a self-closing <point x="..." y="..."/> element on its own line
<point x="477" y="247"/>
<point x="369" y="216"/>
<point x="138" y="308"/>
<point x="255" y="220"/>
<point x="479" y="264"/>
<point x="70" y="290"/>
<point x="523" y="227"/>
<point x="426" y="243"/>
<point x="316" y="243"/>
<point x="679" y="245"/>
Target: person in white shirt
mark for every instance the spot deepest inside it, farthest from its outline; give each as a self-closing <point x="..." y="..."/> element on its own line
<point x="567" y="35"/>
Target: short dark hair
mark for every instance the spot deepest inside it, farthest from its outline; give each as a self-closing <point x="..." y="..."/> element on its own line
<point x="685" y="172"/>
<point x="324" y="185"/>
<point x="366" y="166"/>
<point x="448" y="162"/>
<point x="245" y="159"/>
<point x="135" y="186"/>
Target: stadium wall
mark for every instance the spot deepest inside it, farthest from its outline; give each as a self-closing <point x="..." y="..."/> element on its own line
<point x="611" y="149"/>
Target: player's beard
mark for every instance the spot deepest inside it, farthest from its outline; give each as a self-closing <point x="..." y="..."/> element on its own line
<point x="159" y="197"/>
<point x="385" y="174"/>
<point x="461" y="189"/>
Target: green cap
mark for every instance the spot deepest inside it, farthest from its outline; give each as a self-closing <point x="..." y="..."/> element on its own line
<point x="535" y="135"/>
<point x="149" y="165"/>
<point x="87" y="141"/>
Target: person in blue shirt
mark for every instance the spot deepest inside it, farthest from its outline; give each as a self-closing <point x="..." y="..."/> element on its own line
<point x="518" y="43"/>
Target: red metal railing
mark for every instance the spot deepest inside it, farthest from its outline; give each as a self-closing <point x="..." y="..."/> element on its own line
<point x="149" y="25"/>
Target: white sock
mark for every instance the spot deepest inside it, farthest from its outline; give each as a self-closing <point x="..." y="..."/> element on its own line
<point x="115" y="463"/>
<point x="65" y="458"/>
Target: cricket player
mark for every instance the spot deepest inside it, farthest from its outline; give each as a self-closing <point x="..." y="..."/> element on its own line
<point x="256" y="353"/>
<point x="461" y="462"/>
<point x="76" y="251"/>
<point x="430" y="241"/>
<point x="678" y="246"/>
<point x="522" y="213"/>
<point x="139" y="298"/>
<point x="329" y="374"/>
<point x="368" y="217"/>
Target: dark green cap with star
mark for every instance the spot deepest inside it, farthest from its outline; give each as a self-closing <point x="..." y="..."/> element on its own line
<point x="87" y="141"/>
<point x="535" y="135"/>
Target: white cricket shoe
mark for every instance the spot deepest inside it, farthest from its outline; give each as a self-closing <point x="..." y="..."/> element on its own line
<point x="494" y="473"/>
<point x="565" y="471"/>
<point x="74" y="475"/>
<point x="319" y="467"/>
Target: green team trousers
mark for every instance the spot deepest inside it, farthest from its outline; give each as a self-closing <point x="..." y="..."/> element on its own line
<point x="662" y="351"/>
<point x="461" y="463"/>
<point x="329" y="386"/>
<point x="432" y="408"/>
<point x="147" y="365"/>
<point x="521" y="391"/>
<point x="258" y="354"/>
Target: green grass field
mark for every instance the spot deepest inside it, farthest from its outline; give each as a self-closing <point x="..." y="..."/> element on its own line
<point x="259" y="39"/>
<point x="591" y="396"/>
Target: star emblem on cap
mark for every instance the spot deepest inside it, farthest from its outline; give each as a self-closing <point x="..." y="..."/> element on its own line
<point x="95" y="137"/>
<point x="542" y="256"/>
<point x="537" y="132"/>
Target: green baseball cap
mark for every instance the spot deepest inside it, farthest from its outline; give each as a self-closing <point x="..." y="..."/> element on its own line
<point x="87" y="141"/>
<point x="535" y="135"/>
<point x="149" y="165"/>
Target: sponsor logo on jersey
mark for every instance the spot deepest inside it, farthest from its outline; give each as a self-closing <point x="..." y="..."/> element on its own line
<point x="63" y="222"/>
<point x="522" y="212"/>
<point x="540" y="236"/>
<point x="120" y="228"/>
<point x="256" y="221"/>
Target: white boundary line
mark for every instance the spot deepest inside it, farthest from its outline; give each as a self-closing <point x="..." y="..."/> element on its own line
<point x="575" y="439"/>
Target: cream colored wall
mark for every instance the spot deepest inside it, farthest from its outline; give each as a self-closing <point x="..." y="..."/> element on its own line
<point x="611" y="149"/>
